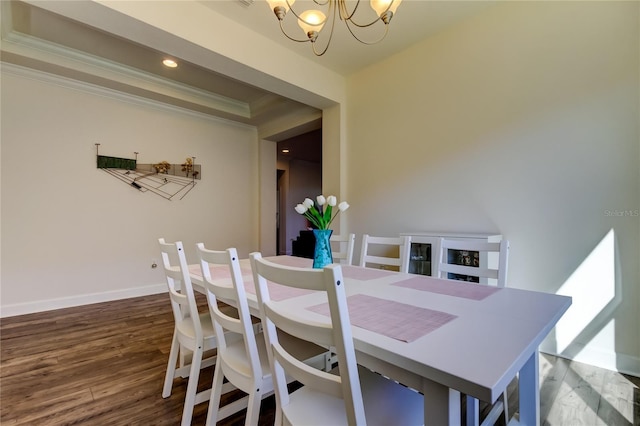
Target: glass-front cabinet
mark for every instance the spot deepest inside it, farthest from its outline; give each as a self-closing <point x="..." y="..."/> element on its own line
<point x="465" y="258"/>
<point x="425" y="252"/>
<point x="420" y="258"/>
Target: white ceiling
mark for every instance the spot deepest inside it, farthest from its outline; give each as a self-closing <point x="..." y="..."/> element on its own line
<point x="40" y="39"/>
<point x="414" y="21"/>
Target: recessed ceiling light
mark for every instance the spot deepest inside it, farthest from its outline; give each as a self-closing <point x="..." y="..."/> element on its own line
<point x="170" y="63"/>
<point x="285" y="151"/>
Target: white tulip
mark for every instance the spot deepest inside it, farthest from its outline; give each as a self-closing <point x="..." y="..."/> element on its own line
<point x="343" y="206"/>
<point x="308" y="203"/>
<point x="321" y="200"/>
<point x="301" y="209"/>
<point x="331" y="200"/>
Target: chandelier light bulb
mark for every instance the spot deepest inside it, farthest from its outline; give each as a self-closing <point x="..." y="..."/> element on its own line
<point x="280" y="7"/>
<point x="381" y="6"/>
<point x="281" y="3"/>
<point x="311" y="21"/>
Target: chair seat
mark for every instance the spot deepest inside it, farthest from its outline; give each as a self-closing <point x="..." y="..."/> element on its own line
<point x="385" y="403"/>
<point x="237" y="361"/>
<point x="186" y="331"/>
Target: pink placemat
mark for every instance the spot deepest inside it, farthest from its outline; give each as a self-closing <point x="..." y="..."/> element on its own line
<point x="449" y="287"/>
<point x="364" y="274"/>
<point x="298" y="262"/>
<point x="392" y="319"/>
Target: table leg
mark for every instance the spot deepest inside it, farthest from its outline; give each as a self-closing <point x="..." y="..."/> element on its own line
<point x="473" y="411"/>
<point x="441" y="404"/>
<point x="529" y="391"/>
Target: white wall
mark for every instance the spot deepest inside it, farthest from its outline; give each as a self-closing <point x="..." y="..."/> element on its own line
<point x="521" y="121"/>
<point x="72" y="234"/>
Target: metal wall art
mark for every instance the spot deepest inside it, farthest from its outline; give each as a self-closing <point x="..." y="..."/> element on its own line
<point x="164" y="179"/>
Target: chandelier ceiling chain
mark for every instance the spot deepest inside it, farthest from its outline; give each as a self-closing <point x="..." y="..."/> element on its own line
<point x="312" y="21"/>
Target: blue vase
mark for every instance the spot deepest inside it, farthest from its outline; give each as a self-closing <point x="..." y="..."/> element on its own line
<point x="322" y="252"/>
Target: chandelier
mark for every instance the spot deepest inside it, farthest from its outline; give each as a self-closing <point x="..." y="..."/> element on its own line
<point x="312" y="21"/>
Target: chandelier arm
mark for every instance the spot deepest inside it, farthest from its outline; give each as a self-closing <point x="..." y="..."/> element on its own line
<point x="362" y="25"/>
<point x="326" y="47"/>
<point x="291" y="38"/>
<point x="386" y="30"/>
<point x="344" y="11"/>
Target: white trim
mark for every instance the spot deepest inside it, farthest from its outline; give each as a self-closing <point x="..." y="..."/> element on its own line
<point x="69" y="83"/>
<point x="85" y="299"/>
<point x="32" y="47"/>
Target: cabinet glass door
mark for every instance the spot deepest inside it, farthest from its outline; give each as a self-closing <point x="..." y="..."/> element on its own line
<point x="465" y="258"/>
<point x="420" y="259"/>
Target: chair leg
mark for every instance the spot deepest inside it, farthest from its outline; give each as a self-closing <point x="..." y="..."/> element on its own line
<point x="253" y="409"/>
<point x="279" y="417"/>
<point x="171" y="367"/>
<point x="216" y="393"/>
<point x="192" y="387"/>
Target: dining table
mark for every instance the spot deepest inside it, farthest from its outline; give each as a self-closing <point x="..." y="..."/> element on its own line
<point x="440" y="337"/>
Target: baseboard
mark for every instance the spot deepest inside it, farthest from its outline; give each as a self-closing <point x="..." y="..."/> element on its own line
<point x="622" y="363"/>
<point x="85" y="299"/>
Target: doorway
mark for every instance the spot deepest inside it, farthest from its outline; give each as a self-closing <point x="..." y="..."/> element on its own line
<point x="299" y="175"/>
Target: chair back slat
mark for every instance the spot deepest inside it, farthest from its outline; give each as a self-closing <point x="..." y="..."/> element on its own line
<point x="401" y="245"/>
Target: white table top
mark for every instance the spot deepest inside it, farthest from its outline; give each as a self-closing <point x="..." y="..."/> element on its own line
<point x="477" y="353"/>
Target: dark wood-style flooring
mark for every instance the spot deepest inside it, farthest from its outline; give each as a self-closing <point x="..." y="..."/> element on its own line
<point x="104" y="364"/>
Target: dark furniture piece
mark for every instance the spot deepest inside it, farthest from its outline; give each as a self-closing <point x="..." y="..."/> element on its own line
<point x="304" y="245"/>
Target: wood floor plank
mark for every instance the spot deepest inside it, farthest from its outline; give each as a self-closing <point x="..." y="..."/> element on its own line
<point x="104" y="364"/>
<point x="57" y="409"/>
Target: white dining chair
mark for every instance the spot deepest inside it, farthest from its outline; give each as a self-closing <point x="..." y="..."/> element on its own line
<point x="343" y="246"/>
<point x="386" y="251"/>
<point x="493" y="271"/>
<point x="348" y="395"/>
<point x="193" y="332"/>
<point x="488" y="262"/>
<point x="242" y="356"/>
